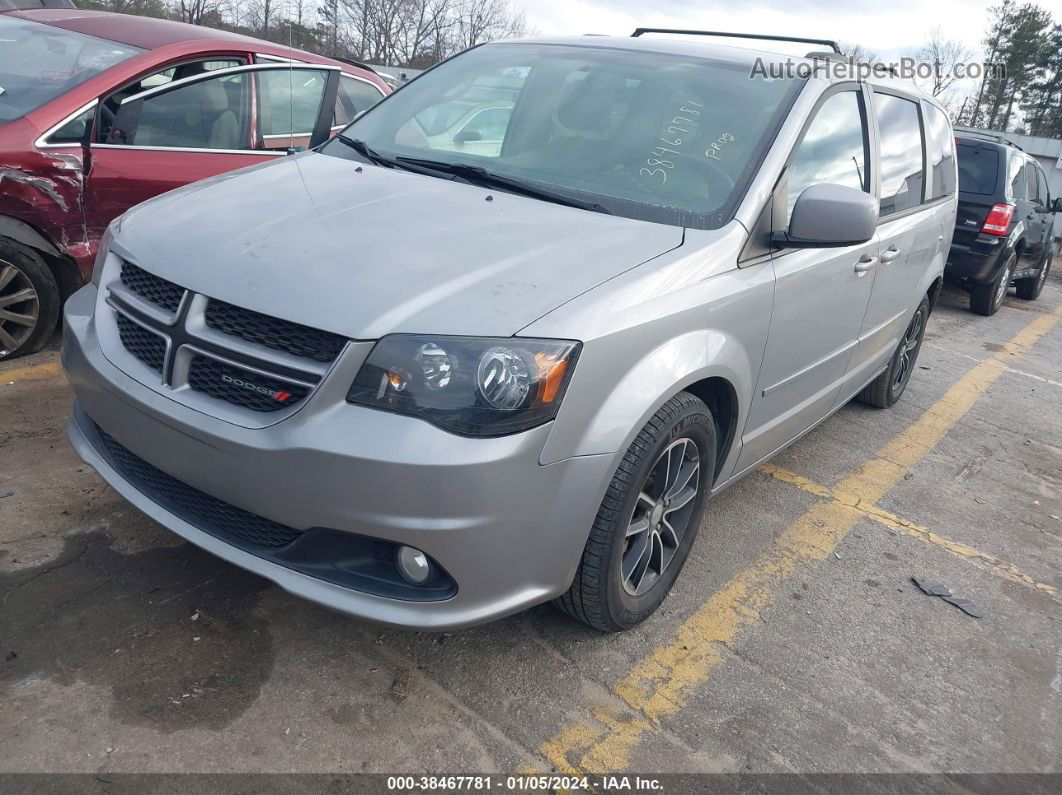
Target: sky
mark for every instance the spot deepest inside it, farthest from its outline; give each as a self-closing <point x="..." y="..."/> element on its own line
<point x="888" y="29"/>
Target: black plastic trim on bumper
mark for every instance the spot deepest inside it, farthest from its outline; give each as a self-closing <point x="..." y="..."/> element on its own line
<point x="346" y="559"/>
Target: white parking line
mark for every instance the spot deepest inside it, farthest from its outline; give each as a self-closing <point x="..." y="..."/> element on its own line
<point x="1039" y="378"/>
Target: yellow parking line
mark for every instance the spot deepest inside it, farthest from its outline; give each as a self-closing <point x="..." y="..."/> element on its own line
<point x="661" y="684"/>
<point x="891" y="520"/>
<point x="35" y="372"/>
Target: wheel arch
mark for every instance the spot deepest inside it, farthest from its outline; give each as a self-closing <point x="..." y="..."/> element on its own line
<point x="709" y="363"/>
<point x="719" y="395"/>
<point x="63" y="268"/>
<point x="934" y="292"/>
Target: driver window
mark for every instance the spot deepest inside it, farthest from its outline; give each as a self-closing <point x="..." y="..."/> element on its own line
<point x="208" y="114"/>
<point x="833" y="150"/>
<point x="111" y="104"/>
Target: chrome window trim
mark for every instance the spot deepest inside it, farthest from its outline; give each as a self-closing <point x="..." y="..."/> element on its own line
<point x="261" y="57"/>
<point x="254" y="67"/>
<point x="360" y="79"/>
<point x="42" y="140"/>
<point x="190" y="149"/>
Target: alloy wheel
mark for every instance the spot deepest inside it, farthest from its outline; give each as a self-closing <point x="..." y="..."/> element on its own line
<point x="19" y="307"/>
<point x="1004" y="285"/>
<point x="661" y="516"/>
<point x="907" y="350"/>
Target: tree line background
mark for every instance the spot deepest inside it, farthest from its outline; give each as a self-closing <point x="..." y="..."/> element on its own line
<point x="1021" y="36"/>
<point x="1025" y="96"/>
<point x="410" y="33"/>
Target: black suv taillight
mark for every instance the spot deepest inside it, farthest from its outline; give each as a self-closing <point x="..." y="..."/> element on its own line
<point x="998" y="220"/>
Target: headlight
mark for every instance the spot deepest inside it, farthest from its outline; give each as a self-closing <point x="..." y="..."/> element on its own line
<point x="101" y="253"/>
<point x="468" y="385"/>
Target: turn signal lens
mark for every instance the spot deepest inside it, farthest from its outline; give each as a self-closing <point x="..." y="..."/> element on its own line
<point x="551" y="372"/>
<point x="998" y="220"/>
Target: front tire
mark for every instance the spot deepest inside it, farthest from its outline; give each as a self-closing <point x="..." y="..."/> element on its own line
<point x="1030" y="289"/>
<point x="886" y="389"/>
<point x="29" y="300"/>
<point x="648" y="520"/>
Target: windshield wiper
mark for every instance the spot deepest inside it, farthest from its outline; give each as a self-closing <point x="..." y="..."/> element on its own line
<point x="373" y="156"/>
<point x="368" y="152"/>
<point x="480" y="176"/>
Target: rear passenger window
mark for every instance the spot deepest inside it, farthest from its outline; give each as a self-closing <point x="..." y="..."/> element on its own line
<point x="941" y="153"/>
<point x="834" y="148"/>
<point x="289" y="102"/>
<point x="354" y="96"/>
<point x="902" y="155"/>
<point x="1030" y="179"/>
<point x="1019" y="188"/>
<point x="1045" y="194"/>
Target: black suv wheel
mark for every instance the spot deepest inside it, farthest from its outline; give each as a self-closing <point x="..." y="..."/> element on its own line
<point x="1029" y="289"/>
<point x="986" y="299"/>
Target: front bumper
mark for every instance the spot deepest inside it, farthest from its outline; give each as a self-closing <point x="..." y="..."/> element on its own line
<point x="509" y="531"/>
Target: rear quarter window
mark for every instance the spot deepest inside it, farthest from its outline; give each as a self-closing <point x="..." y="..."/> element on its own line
<point x="978" y="169"/>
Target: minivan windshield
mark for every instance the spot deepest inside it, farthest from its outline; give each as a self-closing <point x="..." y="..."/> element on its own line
<point x="666" y="138"/>
<point x="39" y="63"/>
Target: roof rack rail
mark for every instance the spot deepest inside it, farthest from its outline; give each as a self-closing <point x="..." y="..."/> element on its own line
<point x="989" y="136"/>
<point x="827" y="42"/>
<point x="823" y="55"/>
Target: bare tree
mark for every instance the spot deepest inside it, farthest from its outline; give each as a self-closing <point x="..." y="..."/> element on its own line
<point x="857" y="52"/>
<point x="199" y="11"/>
<point x="261" y="16"/>
<point x="944" y="54"/>
<point x="478" y="21"/>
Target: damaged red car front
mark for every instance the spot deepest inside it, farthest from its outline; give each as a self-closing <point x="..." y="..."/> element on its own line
<point x="99" y="112"/>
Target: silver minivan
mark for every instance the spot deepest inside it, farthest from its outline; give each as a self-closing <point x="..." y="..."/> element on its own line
<point x="453" y="364"/>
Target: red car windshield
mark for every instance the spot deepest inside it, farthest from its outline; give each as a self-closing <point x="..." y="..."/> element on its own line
<point x="39" y="63"/>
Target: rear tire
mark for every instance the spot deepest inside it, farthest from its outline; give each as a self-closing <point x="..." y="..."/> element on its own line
<point x="1029" y="289"/>
<point x="612" y="590"/>
<point x="29" y="300"/>
<point x="986" y="299"/>
<point x="886" y="389"/>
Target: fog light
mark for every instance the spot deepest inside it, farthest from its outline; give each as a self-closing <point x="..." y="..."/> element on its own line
<point x="413" y="565"/>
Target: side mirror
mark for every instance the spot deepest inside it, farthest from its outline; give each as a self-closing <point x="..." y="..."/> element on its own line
<point x="468" y="135"/>
<point x="1056" y="205"/>
<point x="830" y="216"/>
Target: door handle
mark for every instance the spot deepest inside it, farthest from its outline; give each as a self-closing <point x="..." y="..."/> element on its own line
<point x="866" y="262"/>
<point x="889" y="254"/>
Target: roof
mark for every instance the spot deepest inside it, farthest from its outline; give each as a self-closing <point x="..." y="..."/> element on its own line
<point x="710" y="48"/>
<point x="1049" y="148"/>
<point x="145" y="32"/>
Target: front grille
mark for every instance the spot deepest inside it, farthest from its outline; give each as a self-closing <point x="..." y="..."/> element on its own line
<point x="242" y="387"/>
<point x="145" y="345"/>
<point x="151" y="287"/>
<point x="209" y="514"/>
<point x="280" y="335"/>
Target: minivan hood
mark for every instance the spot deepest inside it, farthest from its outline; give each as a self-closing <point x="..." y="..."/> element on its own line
<point x="364" y="251"/>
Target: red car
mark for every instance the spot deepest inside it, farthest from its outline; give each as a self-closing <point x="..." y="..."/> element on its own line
<point x="102" y="111"/>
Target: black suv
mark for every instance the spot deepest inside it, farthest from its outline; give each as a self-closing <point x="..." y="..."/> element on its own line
<point x="1003" y="226"/>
